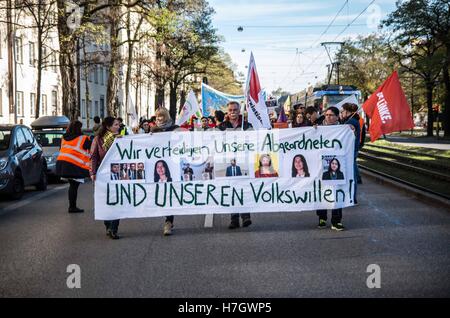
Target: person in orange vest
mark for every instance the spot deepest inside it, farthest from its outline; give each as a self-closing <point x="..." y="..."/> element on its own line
<point x="73" y="161"/>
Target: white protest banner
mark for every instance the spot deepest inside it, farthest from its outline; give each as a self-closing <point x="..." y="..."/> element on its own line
<point x="182" y="172"/>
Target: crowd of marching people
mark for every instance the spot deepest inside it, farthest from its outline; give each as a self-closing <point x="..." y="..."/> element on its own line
<point x="81" y="156"/>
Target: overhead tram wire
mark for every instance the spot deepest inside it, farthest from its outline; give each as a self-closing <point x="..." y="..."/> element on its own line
<point x="347" y="26"/>
<point x="322" y="34"/>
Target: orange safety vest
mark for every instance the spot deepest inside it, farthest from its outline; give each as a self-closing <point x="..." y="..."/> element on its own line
<point x="72" y="151"/>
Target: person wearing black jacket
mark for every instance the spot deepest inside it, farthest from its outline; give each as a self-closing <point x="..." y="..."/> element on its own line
<point x="73" y="161"/>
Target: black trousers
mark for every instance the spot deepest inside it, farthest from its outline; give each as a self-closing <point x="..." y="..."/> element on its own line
<point x="73" y="192"/>
<point x="336" y="215"/>
<point x="112" y="225"/>
<point x="235" y="216"/>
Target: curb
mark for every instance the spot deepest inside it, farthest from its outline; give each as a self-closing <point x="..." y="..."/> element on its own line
<point x="428" y="197"/>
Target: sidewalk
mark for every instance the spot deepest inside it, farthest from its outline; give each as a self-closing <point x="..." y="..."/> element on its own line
<point x="425" y="142"/>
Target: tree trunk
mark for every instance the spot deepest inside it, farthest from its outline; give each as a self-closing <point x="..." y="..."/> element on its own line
<point x="113" y="79"/>
<point x="159" y="89"/>
<point x="173" y="101"/>
<point x="446" y="80"/>
<point x="429" y="87"/>
<point x="129" y="62"/>
<point x="39" y="73"/>
<point x="182" y="97"/>
<point x="11" y="43"/>
<point x="68" y="64"/>
<point x="86" y="82"/>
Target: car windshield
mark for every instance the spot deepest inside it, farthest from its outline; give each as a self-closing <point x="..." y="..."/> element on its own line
<point x="5" y="137"/>
<point x="50" y="139"/>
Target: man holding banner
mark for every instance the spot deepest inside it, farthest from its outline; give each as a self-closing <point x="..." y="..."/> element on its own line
<point x="236" y="122"/>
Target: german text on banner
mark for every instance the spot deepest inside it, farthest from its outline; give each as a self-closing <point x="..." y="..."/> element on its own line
<point x="184" y="172"/>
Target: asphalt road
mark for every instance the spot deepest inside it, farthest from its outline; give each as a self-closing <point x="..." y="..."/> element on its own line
<point x="280" y="255"/>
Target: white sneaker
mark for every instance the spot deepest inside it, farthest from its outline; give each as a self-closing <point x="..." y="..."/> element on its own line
<point x="167" y="230"/>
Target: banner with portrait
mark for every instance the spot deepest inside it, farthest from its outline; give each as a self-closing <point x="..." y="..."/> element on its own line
<point x="194" y="172"/>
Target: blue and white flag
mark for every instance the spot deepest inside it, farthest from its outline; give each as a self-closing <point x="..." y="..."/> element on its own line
<point x="213" y="100"/>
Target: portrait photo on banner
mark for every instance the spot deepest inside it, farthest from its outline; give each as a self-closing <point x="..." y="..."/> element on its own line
<point x="196" y="170"/>
<point x="128" y="171"/>
<point x="231" y="166"/>
<point x="299" y="165"/>
<point x="163" y="170"/>
<point x="266" y="165"/>
<point x="334" y="168"/>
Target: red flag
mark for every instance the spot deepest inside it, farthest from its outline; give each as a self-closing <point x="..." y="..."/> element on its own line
<point x="388" y="109"/>
<point x="258" y="115"/>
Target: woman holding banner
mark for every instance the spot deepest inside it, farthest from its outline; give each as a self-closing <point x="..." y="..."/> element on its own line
<point x="165" y="123"/>
<point x="100" y="146"/>
<point x="331" y="118"/>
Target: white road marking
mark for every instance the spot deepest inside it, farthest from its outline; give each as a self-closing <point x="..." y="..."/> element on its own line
<point x="39" y="196"/>
<point x="209" y="220"/>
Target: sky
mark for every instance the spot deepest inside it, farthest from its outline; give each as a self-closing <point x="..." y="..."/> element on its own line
<point x="285" y="36"/>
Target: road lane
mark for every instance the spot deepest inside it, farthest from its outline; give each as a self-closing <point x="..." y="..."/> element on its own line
<point x="279" y="255"/>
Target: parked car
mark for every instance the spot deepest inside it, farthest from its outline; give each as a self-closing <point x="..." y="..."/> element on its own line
<point x="49" y="131"/>
<point x="22" y="161"/>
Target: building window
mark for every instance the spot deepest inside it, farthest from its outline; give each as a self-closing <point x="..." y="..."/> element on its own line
<point x="44" y="104"/>
<point x="83" y="108"/>
<point x="32" y="54"/>
<point x="53" y="62"/>
<point x="95" y="74"/>
<point x="102" y="78"/>
<point x="102" y="106"/>
<point x="32" y="104"/>
<point x="96" y="108"/>
<point x="19" y="103"/>
<point x="44" y="57"/>
<point x="54" y="103"/>
<point x="19" y="50"/>
<point x="90" y="75"/>
<point x="1" y="102"/>
<point x="90" y="109"/>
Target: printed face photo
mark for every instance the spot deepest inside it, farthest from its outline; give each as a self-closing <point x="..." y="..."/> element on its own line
<point x="197" y="170"/>
<point x="234" y="167"/>
<point x="333" y="168"/>
<point x="128" y="171"/>
<point x="162" y="172"/>
<point x="300" y="167"/>
<point x="115" y="171"/>
<point x="266" y="165"/>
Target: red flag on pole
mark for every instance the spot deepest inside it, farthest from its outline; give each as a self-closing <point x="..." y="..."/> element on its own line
<point x="388" y="109"/>
<point x="258" y="115"/>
